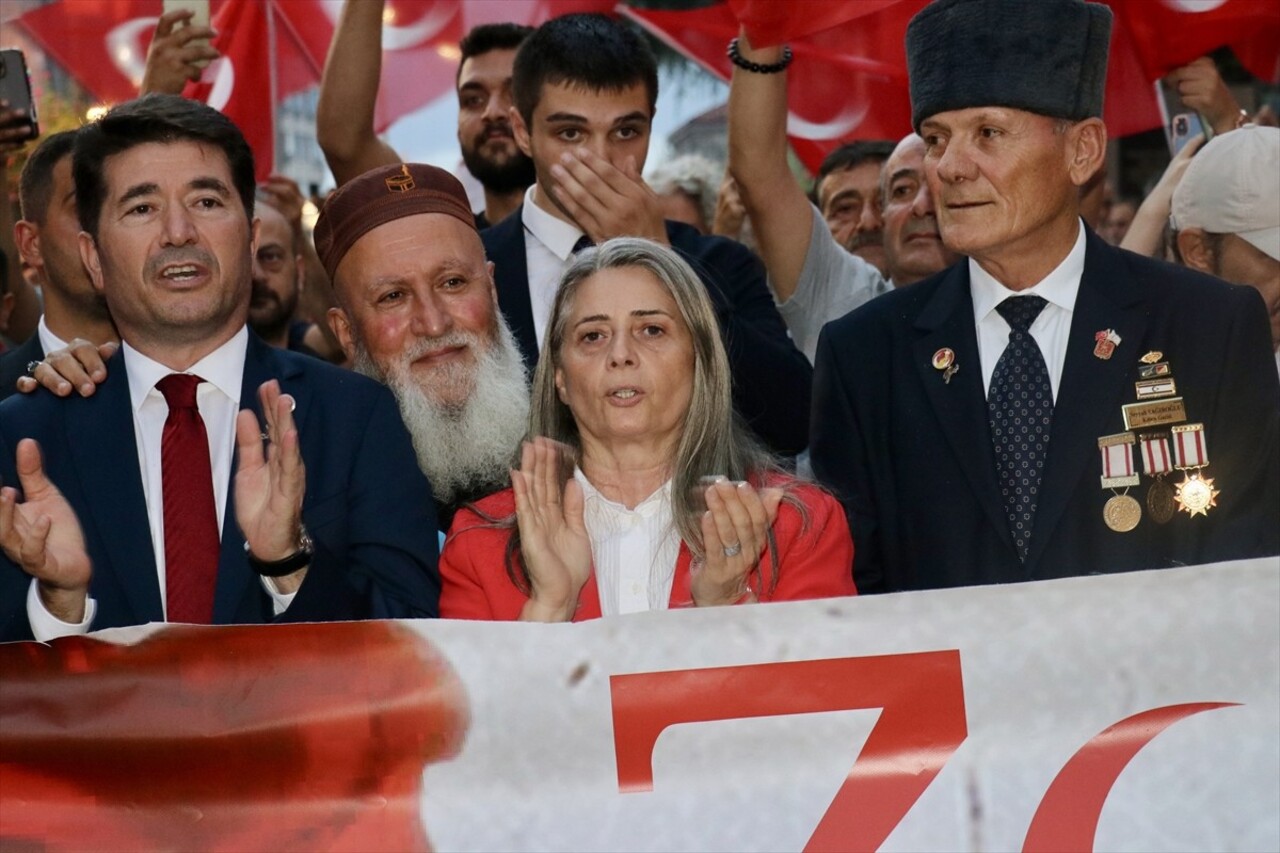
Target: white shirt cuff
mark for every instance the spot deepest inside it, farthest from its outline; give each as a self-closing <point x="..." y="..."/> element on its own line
<point x="45" y="626"/>
<point x="280" y="601"/>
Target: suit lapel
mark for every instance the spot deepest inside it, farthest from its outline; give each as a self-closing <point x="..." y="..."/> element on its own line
<point x="960" y="405"/>
<point x="106" y="462"/>
<point x="1092" y="389"/>
<point x="505" y="245"/>
<point x="261" y="363"/>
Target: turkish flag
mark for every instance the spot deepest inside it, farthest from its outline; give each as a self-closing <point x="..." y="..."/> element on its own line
<point x="419" y="40"/>
<point x="103" y="44"/>
<point x="849" y="78"/>
<point x="238" y="83"/>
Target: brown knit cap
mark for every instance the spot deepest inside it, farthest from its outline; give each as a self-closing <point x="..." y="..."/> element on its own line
<point x="383" y="195"/>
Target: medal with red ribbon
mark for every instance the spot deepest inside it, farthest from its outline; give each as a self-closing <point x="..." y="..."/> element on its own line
<point x="1156" y="462"/>
<point x="1121" y="512"/>
<point x="1196" y="494"/>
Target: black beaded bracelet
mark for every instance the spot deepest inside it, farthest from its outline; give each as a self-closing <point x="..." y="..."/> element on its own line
<point x="755" y="67"/>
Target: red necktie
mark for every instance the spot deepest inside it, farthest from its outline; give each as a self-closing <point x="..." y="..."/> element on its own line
<point x="191" y="542"/>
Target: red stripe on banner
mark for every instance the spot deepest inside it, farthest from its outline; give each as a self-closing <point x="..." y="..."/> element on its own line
<point x="1202" y="454"/>
<point x="1067" y="818"/>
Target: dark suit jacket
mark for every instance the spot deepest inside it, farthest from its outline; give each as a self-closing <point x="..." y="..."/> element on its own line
<point x="771" y="378"/>
<point x="367" y="506"/>
<point x="13" y="364"/>
<point x="911" y="456"/>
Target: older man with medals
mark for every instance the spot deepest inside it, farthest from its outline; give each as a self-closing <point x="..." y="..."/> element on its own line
<point x="958" y="418"/>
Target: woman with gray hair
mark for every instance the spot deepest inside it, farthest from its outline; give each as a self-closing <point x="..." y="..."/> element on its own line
<point x="636" y="489"/>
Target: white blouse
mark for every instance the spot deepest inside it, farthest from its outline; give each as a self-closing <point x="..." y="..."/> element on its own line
<point x="634" y="550"/>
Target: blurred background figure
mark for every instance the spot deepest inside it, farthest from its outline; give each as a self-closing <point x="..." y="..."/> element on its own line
<point x="1118" y="219"/>
<point x="1226" y="214"/>
<point x="847" y="191"/>
<point x="688" y="189"/>
<point x="637" y="488"/>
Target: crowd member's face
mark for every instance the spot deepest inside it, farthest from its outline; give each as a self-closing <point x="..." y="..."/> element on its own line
<point x="174" y="251"/>
<point x="626" y="362"/>
<point x="1116" y="225"/>
<point x="850" y="203"/>
<point x="613" y="125"/>
<point x="417" y="295"/>
<point x="912" y="244"/>
<point x="1239" y="262"/>
<point x="1002" y="180"/>
<point x="679" y="206"/>
<point x="59" y="245"/>
<point x="277" y="273"/>
<point x="484" y="126"/>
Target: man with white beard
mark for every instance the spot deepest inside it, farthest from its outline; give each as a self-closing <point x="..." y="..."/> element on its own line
<point x="417" y="310"/>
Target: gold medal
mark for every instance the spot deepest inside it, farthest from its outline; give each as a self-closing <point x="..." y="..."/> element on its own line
<point x="1196" y="495"/>
<point x="1122" y="513"/>
<point x="1160" y="502"/>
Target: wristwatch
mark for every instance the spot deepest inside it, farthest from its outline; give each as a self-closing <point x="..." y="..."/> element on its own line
<point x="288" y="565"/>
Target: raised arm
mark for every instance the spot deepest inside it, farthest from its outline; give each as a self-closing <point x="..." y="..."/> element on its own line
<point x="349" y="93"/>
<point x="780" y="213"/>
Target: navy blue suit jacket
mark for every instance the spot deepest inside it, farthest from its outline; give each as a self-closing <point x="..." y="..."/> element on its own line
<point x="911" y="455"/>
<point x="13" y="364"/>
<point x="771" y="378"/>
<point x="367" y="505"/>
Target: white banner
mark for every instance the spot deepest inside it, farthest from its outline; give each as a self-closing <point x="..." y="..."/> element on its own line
<point x="1122" y="712"/>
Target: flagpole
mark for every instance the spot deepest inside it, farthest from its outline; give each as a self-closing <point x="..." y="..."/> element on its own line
<point x="272" y="75"/>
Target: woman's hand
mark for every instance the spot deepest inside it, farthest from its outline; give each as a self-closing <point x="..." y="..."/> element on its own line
<point x="734" y="532"/>
<point x="553" y="534"/>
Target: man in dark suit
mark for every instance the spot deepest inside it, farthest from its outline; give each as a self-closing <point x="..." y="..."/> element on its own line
<point x="584" y="92"/>
<point x="132" y="514"/>
<point x="47" y="238"/>
<point x="972" y="422"/>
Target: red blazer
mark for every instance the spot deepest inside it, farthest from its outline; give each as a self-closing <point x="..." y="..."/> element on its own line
<point x="815" y="560"/>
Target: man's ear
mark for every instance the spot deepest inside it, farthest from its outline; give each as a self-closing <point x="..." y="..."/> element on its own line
<point x="340" y="325"/>
<point x="520" y="131"/>
<point x="91" y="260"/>
<point x="1088" y="149"/>
<point x="27" y="237"/>
<point x="1195" y="250"/>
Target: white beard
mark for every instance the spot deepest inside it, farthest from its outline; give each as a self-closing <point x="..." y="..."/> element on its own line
<point x="470" y="445"/>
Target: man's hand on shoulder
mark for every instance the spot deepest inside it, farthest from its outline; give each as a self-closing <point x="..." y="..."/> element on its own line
<point x="270" y="483"/>
<point x="607" y="201"/>
<point x="81" y="365"/>
<point x="42" y="535"/>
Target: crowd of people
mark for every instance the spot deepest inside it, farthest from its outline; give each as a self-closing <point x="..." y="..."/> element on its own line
<point x="602" y="394"/>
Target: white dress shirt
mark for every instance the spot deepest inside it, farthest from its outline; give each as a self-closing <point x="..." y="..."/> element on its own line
<point x="634" y="550"/>
<point x="218" y="398"/>
<point x="1050" y="330"/>
<point x="548" y="243"/>
<point x="48" y="340"/>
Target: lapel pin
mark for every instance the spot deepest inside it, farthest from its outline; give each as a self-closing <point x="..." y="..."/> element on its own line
<point x="1152" y="357"/>
<point x="945" y="360"/>
<point x="1105" y="343"/>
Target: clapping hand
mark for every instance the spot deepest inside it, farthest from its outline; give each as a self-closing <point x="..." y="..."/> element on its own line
<point x="553" y="533"/>
<point x="43" y="536"/>
<point x="270" y="485"/>
<point x="734" y="533"/>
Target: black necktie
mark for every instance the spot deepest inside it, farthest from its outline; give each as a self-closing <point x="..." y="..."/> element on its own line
<point x="1020" y="409"/>
<point x="584" y="242"/>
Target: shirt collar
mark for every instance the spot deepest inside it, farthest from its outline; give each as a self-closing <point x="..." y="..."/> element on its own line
<point x="223" y="368"/>
<point x="554" y="233"/>
<point x="48" y="340"/>
<point x="1059" y="287"/>
<point x="646" y="507"/>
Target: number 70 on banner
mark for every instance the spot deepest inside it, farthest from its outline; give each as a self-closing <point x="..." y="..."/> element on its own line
<point x="921" y="726"/>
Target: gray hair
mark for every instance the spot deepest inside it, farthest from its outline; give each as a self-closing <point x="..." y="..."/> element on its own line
<point x="712" y="442"/>
<point x="694" y="175"/>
